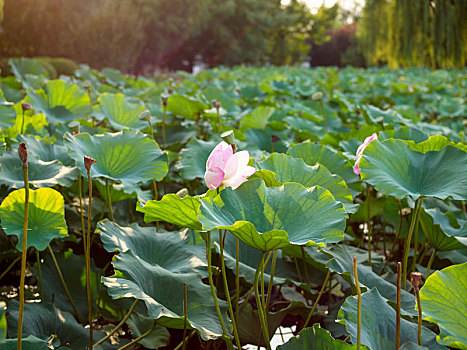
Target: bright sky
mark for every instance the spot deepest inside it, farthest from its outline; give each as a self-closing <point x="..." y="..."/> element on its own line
<point x="314" y="4"/>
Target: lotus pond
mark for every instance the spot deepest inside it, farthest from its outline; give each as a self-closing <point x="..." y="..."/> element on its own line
<point x="335" y="208"/>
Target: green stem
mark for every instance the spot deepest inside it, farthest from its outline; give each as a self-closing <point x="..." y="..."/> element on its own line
<point x="422" y="253"/>
<point x="258" y="302"/>
<point x="109" y="201"/>
<point x="227" y="292"/>
<point x="39" y="270"/>
<point x="398" y="307"/>
<point x="10" y="267"/>
<point x="415" y="243"/>
<point x="414" y="221"/>
<point x="237" y="277"/>
<point x="296" y="265"/>
<point x="23" y="254"/>
<point x="430" y="262"/>
<point x="359" y="303"/>
<point x="211" y="283"/>
<point x="368" y="223"/>
<point x="271" y="281"/>
<point x="324" y="116"/>
<point x="80" y="190"/>
<point x="88" y="263"/>
<point x="67" y="291"/>
<point x="419" y="321"/>
<point x="245" y="302"/>
<point x="315" y="304"/>
<point x="185" y="340"/>
<point x="22" y="124"/>
<point x="142" y="336"/>
<point x="122" y="322"/>
<point x="164" y="113"/>
<point x="305" y="265"/>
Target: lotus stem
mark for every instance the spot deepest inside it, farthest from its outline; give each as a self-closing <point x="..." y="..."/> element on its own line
<point x="245" y="302"/>
<point x="39" y="270"/>
<point x="415" y="243"/>
<point x="414" y="221"/>
<point x="23" y="155"/>
<point x="398" y="307"/>
<point x="226" y="288"/>
<point x="296" y="265"/>
<point x="156" y="197"/>
<point x="164" y="114"/>
<point x="109" y="201"/>
<point x="359" y="303"/>
<point x="237" y="277"/>
<point x="211" y="283"/>
<point x="415" y="279"/>
<point x="368" y="222"/>
<point x="142" y="336"/>
<point x="271" y="281"/>
<point x="421" y="256"/>
<point x="88" y="162"/>
<point x="315" y="304"/>
<point x="10" y="267"/>
<point x="185" y="314"/>
<point x="430" y="262"/>
<point x="122" y="322"/>
<point x="67" y="291"/>
<point x="80" y="190"/>
<point x="185" y="340"/>
<point x="305" y="265"/>
<point x="258" y="302"/>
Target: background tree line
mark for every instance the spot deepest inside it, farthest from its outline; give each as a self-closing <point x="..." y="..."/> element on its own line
<point x="140" y="35"/>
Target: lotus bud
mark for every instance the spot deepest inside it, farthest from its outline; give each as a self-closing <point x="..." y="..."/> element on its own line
<point x="216" y="104"/>
<point x="317" y="96"/>
<point x="182" y="193"/>
<point x="26" y="106"/>
<point x="23" y="154"/>
<point x="88" y="162"/>
<point x="165" y="99"/>
<point x="86" y="84"/>
<point x="144" y="114"/>
<point x="274" y="138"/>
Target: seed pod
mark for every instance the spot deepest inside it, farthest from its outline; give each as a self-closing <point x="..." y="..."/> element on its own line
<point x="23" y="154"/>
<point x="88" y="162"/>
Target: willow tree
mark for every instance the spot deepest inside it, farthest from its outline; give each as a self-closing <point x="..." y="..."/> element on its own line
<point x="410" y="33"/>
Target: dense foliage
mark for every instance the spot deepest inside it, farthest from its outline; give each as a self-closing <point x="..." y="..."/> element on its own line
<point x="159" y="239"/>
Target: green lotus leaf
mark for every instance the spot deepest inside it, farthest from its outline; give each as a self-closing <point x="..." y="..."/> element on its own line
<point x="374" y="115"/>
<point x="342" y="264"/>
<point x="28" y="343"/>
<point x="139" y="324"/>
<point x="443" y="299"/>
<point x="192" y="163"/>
<point x="30" y="123"/>
<point x="269" y="218"/>
<point x="120" y="112"/>
<point x="28" y="71"/>
<point x="162" y="292"/>
<point x="305" y="129"/>
<point x="126" y="156"/>
<point x="394" y="169"/>
<point x="165" y="249"/>
<point x="73" y="268"/>
<point x="60" y="101"/>
<point x="316" y="338"/>
<point x="378" y="330"/>
<point x="44" y="319"/>
<point x="439" y="232"/>
<point x="412" y="346"/>
<point x="256" y="119"/>
<point x="46" y="150"/>
<point x="434" y="143"/>
<point x="185" y="107"/>
<point x="336" y="163"/>
<point x="40" y="173"/>
<point x="46" y="216"/>
<point x="288" y="169"/>
<point x="7" y="113"/>
<point x="171" y="208"/>
<point x="118" y="192"/>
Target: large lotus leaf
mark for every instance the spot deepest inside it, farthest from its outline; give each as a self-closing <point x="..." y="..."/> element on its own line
<point x="162" y="291"/>
<point x="257" y="119"/>
<point x="126" y="156"/>
<point x="269" y="218"/>
<point x="165" y="249"/>
<point x="73" y="268"/>
<point x="28" y="343"/>
<point x="29" y="123"/>
<point x="192" y="163"/>
<point x="139" y="324"/>
<point x="29" y="71"/>
<point x="185" y="107"/>
<point x="336" y="163"/>
<point x="46" y="150"/>
<point x="439" y="232"/>
<point x="40" y="173"/>
<point x="375" y="115"/>
<point x="43" y="319"/>
<point x="120" y="112"/>
<point x="443" y="300"/>
<point x="434" y="143"/>
<point x="394" y="169"/>
<point x="171" y="208"/>
<point x="306" y="129"/>
<point x="46" y="217"/>
<point x="7" y="112"/>
<point x="342" y="264"/>
<point x="288" y="169"/>
<point x="60" y="101"/>
<point x="378" y="330"/>
<point x="316" y="338"/>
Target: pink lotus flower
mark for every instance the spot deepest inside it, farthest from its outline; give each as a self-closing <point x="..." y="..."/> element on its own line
<point x="225" y="167"/>
<point x="410" y="89"/>
<point x="361" y="148"/>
